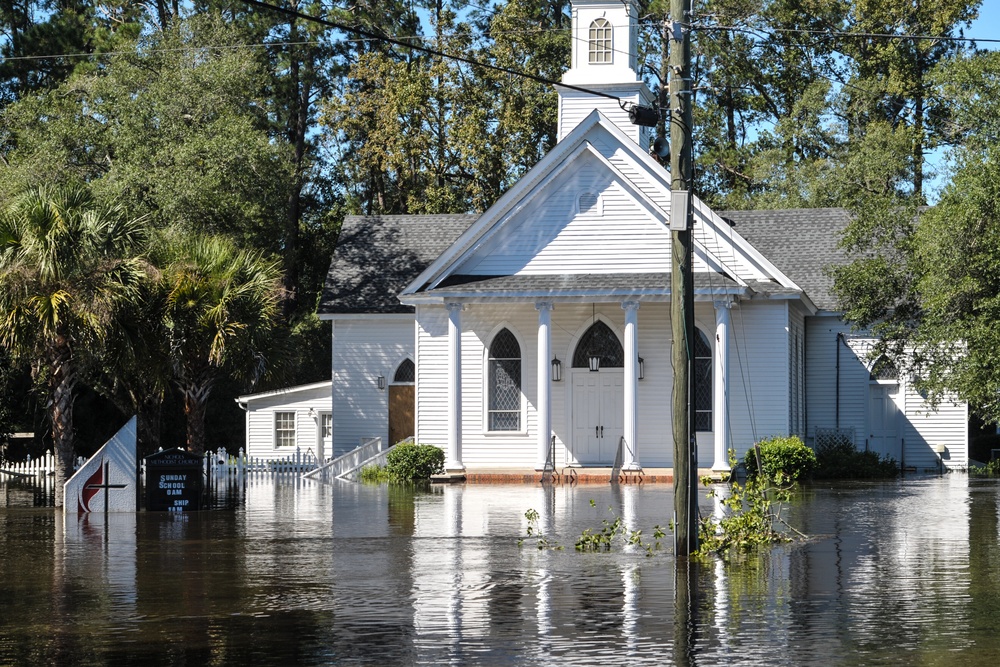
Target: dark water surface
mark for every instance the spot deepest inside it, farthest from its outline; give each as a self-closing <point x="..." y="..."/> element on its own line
<point x="302" y="573"/>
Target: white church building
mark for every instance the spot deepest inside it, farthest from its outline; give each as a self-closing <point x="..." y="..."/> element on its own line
<point x="542" y="326"/>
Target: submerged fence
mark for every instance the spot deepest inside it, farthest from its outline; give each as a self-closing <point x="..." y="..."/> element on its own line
<point x="216" y="463"/>
<point x="41" y="467"/>
<point x="221" y="463"/>
<point x="226" y="476"/>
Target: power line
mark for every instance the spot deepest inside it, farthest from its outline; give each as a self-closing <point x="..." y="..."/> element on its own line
<point x="180" y="49"/>
<point x="424" y="49"/>
<point x="838" y="34"/>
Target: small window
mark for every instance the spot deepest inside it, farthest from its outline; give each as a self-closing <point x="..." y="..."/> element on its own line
<point x="284" y="429"/>
<point x="599" y="340"/>
<point x="883" y="370"/>
<point x="327" y="425"/>
<point x="505" y="383"/>
<point x="588" y="203"/>
<point x="600" y="41"/>
<point x="405" y="374"/>
<point x="703" y="381"/>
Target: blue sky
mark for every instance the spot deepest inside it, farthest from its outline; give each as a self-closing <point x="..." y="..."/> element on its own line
<point x="987" y="26"/>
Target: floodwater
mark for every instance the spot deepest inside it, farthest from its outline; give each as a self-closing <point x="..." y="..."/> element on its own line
<point x="896" y="573"/>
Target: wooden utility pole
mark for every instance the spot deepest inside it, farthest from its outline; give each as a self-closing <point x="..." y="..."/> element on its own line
<point x="681" y="281"/>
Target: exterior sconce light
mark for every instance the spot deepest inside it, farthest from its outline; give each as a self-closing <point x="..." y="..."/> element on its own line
<point x="556" y="369"/>
<point x="595" y="361"/>
<point x="642" y="373"/>
<point x="381" y="382"/>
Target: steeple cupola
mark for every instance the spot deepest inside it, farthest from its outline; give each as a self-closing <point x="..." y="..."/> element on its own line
<point x="604" y="44"/>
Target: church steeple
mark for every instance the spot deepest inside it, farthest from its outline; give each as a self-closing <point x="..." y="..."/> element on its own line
<point x="604" y="47"/>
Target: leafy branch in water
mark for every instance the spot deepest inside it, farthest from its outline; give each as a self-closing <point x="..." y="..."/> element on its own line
<point x="534" y="531"/>
<point x="612" y="531"/>
<point x="604" y="539"/>
<point x="751" y="515"/>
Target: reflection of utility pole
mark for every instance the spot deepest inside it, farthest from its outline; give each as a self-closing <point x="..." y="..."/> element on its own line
<point x="681" y="281"/>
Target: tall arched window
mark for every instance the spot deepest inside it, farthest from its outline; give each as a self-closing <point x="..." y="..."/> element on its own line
<point x="703" y="381"/>
<point x="504" y="383"/>
<point x="601" y="341"/>
<point x="599" y="47"/>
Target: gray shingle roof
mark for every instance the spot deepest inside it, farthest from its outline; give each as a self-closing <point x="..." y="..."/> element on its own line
<point x="616" y="285"/>
<point x="802" y="243"/>
<point x="378" y="256"/>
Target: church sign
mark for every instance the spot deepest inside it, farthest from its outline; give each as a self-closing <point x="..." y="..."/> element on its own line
<point x="107" y="481"/>
<point x="174" y="481"/>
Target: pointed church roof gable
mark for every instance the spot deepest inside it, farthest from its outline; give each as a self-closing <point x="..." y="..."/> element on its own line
<point x="540" y="207"/>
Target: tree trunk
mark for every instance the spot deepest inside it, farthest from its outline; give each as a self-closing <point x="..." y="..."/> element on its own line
<point x="195" y="408"/>
<point x="297" y="120"/>
<point x="61" y="383"/>
<point x="148" y="413"/>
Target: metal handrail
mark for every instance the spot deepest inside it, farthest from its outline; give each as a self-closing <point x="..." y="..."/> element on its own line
<point x="616" y="469"/>
<point x="550" y="462"/>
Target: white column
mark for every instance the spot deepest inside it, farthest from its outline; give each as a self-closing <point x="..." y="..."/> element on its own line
<point x="317" y="418"/>
<point x="544" y="382"/>
<point x="631" y="458"/>
<point x="720" y="386"/>
<point x="453" y="461"/>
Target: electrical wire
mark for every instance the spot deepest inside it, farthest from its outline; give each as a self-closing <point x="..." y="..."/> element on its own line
<point x="838" y="34"/>
<point x="434" y="52"/>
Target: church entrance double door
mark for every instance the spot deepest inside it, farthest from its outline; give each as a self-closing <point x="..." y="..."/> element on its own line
<point x="598" y="415"/>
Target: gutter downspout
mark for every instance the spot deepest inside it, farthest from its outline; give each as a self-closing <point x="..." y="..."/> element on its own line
<point x="840" y="337"/>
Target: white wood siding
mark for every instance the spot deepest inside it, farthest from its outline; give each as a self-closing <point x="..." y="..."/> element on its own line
<point x="260" y="417"/>
<point x="549" y="236"/>
<point x="920" y="427"/>
<point x="574" y="106"/>
<point x="758" y="373"/>
<point x="924" y="427"/>
<point x="362" y="351"/>
<point x="432" y="376"/>
<point x="822" y="398"/>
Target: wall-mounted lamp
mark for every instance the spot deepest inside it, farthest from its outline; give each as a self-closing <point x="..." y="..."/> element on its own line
<point x="556" y="369"/>
<point x="381" y="382"/>
<point x="594" y="360"/>
<point x="642" y="373"/>
<point x="312" y="413"/>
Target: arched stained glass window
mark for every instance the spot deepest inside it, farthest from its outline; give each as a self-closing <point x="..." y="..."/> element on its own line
<point x="883" y="370"/>
<point x="702" y="381"/>
<point x="505" y="383"/>
<point x="599" y="42"/>
<point x="602" y="341"/>
<point x="406" y="373"/>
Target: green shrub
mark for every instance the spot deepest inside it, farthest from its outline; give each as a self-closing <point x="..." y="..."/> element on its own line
<point x="783" y="459"/>
<point x="838" y="458"/>
<point x="374" y="474"/>
<point x="991" y="469"/>
<point x="409" y="462"/>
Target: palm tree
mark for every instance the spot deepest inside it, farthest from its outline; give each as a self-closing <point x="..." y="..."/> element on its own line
<point x="67" y="264"/>
<point x="221" y="307"/>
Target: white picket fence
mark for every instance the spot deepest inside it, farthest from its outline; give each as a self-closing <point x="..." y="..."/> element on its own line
<point x="43" y="466"/>
<point x="221" y="464"/>
<point x="218" y="464"/>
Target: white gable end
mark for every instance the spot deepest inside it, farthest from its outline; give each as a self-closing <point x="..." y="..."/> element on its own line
<point x="589" y="220"/>
<point x="537" y="227"/>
